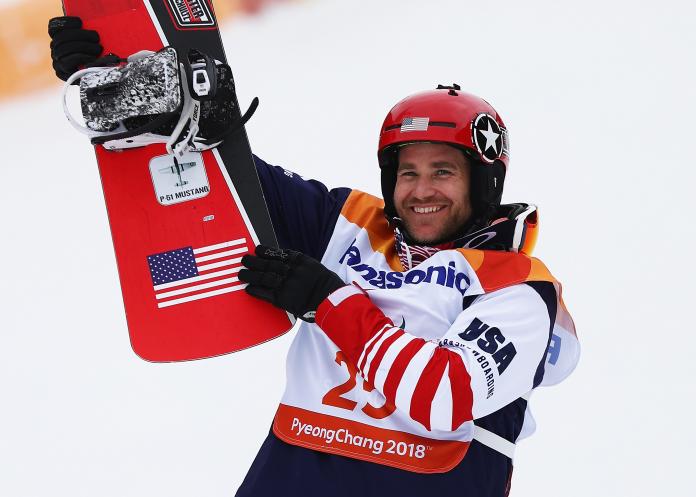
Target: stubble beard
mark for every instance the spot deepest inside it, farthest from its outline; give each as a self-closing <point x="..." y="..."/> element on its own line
<point x="447" y="234"/>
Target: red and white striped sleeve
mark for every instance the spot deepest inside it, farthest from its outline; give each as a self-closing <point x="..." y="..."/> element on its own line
<point x="489" y="357"/>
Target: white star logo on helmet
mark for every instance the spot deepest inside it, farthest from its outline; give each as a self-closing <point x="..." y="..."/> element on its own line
<point x="491" y="137"/>
<point x="488" y="137"/>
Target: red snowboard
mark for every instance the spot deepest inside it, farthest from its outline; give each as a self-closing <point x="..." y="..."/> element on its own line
<point x="179" y="233"/>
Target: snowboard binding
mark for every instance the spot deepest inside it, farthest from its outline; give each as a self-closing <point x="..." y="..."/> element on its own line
<point x="186" y="102"/>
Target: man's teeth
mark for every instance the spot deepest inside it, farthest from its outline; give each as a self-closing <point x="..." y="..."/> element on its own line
<point x="426" y="210"/>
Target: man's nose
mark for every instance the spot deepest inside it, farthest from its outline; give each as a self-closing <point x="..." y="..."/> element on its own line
<point x="423" y="188"/>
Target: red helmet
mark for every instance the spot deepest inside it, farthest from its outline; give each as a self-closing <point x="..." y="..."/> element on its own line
<point x="448" y="115"/>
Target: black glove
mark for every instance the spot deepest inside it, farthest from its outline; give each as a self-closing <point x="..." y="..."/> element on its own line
<point x="288" y="279"/>
<point x="71" y="46"/>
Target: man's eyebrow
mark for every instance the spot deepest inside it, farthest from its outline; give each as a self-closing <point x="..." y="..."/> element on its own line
<point x="434" y="165"/>
<point x="444" y="163"/>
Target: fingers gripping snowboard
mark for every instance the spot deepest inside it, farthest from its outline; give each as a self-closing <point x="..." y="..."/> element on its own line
<point x="180" y="226"/>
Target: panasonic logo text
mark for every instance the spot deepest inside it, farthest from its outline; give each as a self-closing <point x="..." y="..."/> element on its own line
<point x="446" y="276"/>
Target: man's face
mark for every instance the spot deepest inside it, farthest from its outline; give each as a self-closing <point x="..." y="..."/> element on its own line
<point x="432" y="191"/>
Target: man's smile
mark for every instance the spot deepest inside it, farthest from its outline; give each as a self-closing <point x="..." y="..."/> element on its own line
<point x="427" y="210"/>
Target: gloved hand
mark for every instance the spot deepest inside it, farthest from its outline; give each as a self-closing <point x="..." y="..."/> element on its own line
<point x="288" y="279"/>
<point x="71" y="46"/>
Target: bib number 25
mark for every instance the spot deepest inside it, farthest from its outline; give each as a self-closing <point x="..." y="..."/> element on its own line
<point x="334" y="397"/>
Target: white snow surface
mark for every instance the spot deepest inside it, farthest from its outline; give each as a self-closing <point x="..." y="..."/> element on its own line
<point x="598" y="97"/>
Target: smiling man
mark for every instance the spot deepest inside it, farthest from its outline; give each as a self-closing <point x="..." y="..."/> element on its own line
<point x="431" y="195"/>
<point x="426" y="323"/>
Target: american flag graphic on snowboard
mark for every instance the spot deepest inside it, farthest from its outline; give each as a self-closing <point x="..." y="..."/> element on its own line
<point x="187" y="274"/>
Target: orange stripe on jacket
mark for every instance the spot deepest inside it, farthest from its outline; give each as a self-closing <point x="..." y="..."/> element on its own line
<point x="496" y="270"/>
<point x="367" y="211"/>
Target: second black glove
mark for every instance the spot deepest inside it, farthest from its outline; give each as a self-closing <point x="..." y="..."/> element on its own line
<point x="289" y="279"/>
<point x="71" y="46"/>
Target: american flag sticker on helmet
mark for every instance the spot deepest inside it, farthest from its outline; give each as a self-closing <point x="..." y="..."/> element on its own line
<point x="415" y="124"/>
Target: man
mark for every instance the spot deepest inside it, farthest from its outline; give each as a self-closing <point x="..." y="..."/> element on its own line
<point x="426" y="325"/>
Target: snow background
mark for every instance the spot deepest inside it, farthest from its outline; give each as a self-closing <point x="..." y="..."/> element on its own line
<point x="597" y="96"/>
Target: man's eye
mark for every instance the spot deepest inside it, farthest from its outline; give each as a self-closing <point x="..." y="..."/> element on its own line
<point x="443" y="172"/>
<point x="407" y="173"/>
